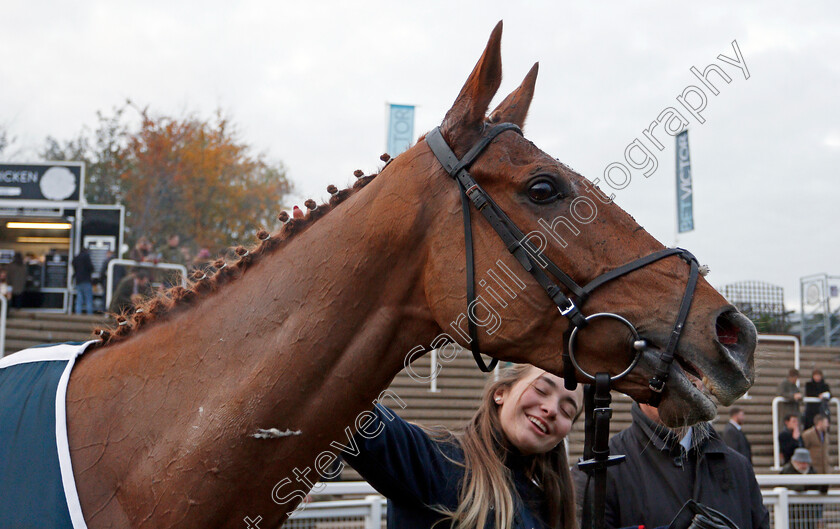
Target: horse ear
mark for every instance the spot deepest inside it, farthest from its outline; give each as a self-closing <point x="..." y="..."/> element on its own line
<point x="464" y="120"/>
<point x="515" y="106"/>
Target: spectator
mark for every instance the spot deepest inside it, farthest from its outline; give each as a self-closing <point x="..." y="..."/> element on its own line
<point x="789" y="390"/>
<point x="201" y="261"/>
<point x="800" y="463"/>
<point x="816" y="387"/>
<point x="142" y="250"/>
<point x="815" y="439"/>
<point x="790" y="438"/>
<point x="171" y="251"/>
<point x="733" y="434"/>
<point x="82" y="272"/>
<point x="5" y="287"/>
<point x="130" y="290"/>
<point x="807" y="516"/>
<point x="17" y="279"/>
<point x="664" y="469"/>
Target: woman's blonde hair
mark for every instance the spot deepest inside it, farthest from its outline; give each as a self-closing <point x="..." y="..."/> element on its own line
<point x="488" y="487"/>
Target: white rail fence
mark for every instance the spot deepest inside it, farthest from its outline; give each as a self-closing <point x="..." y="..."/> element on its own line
<point x="788" y="509"/>
<point x="128" y="263"/>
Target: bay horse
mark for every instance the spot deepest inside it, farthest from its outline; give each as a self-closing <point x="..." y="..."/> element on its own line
<point x="192" y="410"/>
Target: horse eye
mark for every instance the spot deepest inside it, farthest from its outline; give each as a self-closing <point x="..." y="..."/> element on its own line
<point x="542" y="191"/>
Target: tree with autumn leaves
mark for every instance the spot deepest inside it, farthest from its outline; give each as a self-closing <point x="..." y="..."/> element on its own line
<point x="189" y="176"/>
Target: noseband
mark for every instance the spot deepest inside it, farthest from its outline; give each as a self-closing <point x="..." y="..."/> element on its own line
<point x="568" y="305"/>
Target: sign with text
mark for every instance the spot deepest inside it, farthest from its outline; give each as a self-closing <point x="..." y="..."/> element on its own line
<point x="53" y="181"/>
<point x="685" y="192"/>
<point x="400" y="128"/>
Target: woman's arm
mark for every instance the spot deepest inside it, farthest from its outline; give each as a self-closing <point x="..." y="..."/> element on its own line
<point x="403" y="463"/>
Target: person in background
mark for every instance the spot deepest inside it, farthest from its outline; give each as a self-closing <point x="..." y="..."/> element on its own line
<point x="733" y="434"/>
<point x="800" y="463"/>
<point x="807" y="516"/>
<point x="171" y="251"/>
<point x="664" y="468"/>
<point x="82" y="272"/>
<point x="5" y="287"/>
<point x="816" y="387"/>
<point x="815" y="439"/>
<point x="142" y="250"/>
<point x="135" y="285"/>
<point x="17" y="279"/>
<point x="789" y="390"/>
<point x="790" y="438"/>
<point x="201" y="261"/>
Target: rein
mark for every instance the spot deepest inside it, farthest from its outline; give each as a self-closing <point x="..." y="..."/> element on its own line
<point x="598" y="413"/>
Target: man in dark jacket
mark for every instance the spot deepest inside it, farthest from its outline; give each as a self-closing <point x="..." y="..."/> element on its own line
<point x="133" y="287"/>
<point x="790" y="438"/>
<point x="733" y="435"/>
<point x="82" y="271"/>
<point x="664" y="469"/>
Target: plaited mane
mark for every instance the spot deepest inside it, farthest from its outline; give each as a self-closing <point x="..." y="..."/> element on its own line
<point x="200" y="283"/>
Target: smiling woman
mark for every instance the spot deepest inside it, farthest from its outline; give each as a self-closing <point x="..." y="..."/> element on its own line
<point x="506" y="469"/>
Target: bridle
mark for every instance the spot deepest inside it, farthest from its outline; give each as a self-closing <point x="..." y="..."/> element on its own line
<point x="596" y="457"/>
<point x="568" y="305"/>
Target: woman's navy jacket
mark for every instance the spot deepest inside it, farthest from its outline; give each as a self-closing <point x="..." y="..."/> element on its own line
<point x="414" y="471"/>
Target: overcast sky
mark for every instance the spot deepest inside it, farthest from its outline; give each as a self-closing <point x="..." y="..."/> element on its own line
<point x="307" y="84"/>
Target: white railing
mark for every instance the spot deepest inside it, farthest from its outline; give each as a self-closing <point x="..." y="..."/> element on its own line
<point x="775" y="410"/>
<point x="802" y="510"/>
<point x="784" y="338"/>
<point x="788" y="509"/>
<point x="434" y="371"/>
<point x="767" y="481"/>
<point x="363" y="488"/>
<point x="345" y="514"/>
<point x="109" y="289"/>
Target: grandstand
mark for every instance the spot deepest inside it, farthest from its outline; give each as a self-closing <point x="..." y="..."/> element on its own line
<point x="460" y="382"/>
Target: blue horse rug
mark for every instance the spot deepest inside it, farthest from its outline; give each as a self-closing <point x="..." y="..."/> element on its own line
<point x="37" y="488"/>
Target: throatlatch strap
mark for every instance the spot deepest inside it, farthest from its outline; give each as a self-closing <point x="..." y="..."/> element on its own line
<point x="476" y="351"/>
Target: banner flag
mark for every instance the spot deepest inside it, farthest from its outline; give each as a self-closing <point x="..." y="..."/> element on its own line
<point x="400" y="128"/>
<point x="685" y="192"/>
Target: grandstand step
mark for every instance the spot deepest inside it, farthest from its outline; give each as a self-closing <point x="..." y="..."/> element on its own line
<point x="51" y="325"/>
<point x="46" y="335"/>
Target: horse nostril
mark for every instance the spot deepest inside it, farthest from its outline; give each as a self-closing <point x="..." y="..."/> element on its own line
<point x="726" y="329"/>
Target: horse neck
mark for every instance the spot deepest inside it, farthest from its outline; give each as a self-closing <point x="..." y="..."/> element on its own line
<point x="333" y="312"/>
<point x="304" y="341"/>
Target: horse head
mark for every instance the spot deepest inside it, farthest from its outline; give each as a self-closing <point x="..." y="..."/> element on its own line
<point x="572" y="223"/>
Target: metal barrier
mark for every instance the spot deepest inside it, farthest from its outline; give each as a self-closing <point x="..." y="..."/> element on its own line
<point x="775" y="411"/>
<point x="344" y="514"/>
<point x="788" y="509"/>
<point x="802" y="510"/>
<point x="109" y="290"/>
<point x="434" y="372"/>
<point x="784" y="338"/>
